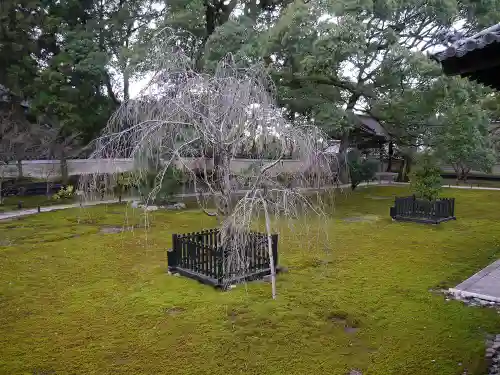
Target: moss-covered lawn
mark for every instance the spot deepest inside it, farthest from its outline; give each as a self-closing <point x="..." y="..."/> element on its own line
<point x="76" y="301"/>
<point x="473" y="183"/>
<point x="11" y="203"/>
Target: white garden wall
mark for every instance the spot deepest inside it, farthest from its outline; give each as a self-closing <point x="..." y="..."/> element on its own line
<point x="52" y="168"/>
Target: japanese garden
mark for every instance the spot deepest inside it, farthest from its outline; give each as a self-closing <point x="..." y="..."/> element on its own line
<point x="249" y="187"/>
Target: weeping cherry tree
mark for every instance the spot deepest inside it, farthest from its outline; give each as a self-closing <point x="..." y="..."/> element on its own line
<point x="198" y="122"/>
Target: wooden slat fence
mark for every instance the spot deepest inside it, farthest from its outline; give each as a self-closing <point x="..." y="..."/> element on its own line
<point x="422" y="210"/>
<point x="200" y="255"/>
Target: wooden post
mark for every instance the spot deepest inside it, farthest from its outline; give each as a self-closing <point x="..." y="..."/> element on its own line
<point x="210" y="260"/>
<point x="19" y="169"/>
<point x="389" y="157"/>
<point x="64" y="170"/>
<point x="220" y="261"/>
<point x="381" y="155"/>
<point x="172" y="255"/>
<point x="275" y="249"/>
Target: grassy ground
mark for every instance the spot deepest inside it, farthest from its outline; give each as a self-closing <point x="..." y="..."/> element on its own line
<point x="473" y="183"/>
<point x="74" y="300"/>
<point x="11" y="203"/>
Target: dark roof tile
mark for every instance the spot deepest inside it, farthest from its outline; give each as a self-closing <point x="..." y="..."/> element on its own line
<point x="465" y="45"/>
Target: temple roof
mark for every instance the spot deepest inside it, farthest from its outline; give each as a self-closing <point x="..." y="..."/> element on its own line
<point x="476" y="57"/>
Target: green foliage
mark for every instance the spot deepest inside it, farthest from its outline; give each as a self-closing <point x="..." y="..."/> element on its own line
<point x="18" y="48"/>
<point x="67" y="192"/>
<point x="286" y="178"/>
<point x="237" y="37"/>
<point x="124" y="182"/>
<point x="73" y="55"/>
<point x="425" y="178"/>
<point x="462" y="138"/>
<point x="360" y="170"/>
<point x="75" y="60"/>
<point x="316" y="58"/>
<point x="161" y="184"/>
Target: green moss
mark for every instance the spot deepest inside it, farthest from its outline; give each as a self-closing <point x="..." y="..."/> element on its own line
<point x="472" y="182"/>
<point x="74" y="300"/>
<point x="10" y="203"/>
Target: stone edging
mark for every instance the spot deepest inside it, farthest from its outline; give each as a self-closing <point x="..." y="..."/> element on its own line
<point x="493" y="354"/>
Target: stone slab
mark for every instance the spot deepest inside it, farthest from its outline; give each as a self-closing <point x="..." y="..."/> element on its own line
<point x="483" y="285"/>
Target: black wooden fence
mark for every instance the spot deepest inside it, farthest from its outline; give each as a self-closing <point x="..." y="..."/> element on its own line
<point x="423" y="210"/>
<point x="201" y="256"/>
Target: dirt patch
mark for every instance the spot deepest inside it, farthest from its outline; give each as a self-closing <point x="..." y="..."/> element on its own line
<point x="107" y="230"/>
<point x="350" y="326"/>
<point x="352" y="330"/>
<point x="111" y="230"/>
<point x="122" y="361"/>
<point x="233" y="314"/>
<point x="380" y="198"/>
<point x="43" y="372"/>
<point x="80" y="221"/>
<point x="357" y="219"/>
<point x="174" y="310"/>
<point x="313" y="263"/>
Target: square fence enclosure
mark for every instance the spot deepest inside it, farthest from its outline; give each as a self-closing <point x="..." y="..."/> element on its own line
<point x="201" y="256"/>
<point x="422" y="210"/>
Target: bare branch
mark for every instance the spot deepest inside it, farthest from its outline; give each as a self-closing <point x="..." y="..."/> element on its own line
<point x="199" y="123"/>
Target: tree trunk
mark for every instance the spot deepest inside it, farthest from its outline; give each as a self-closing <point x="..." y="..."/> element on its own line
<point x="270" y="249"/>
<point x="465" y="174"/>
<point x="47" y="190"/>
<point x="126" y="85"/>
<point x="381" y="156"/>
<point x="405" y="169"/>
<point x="343" y="167"/>
<point x="1" y="194"/>
<point x="222" y="169"/>
<point x="408" y="162"/>
<point x="344" y="144"/>
<point x="457" y="173"/>
<point x="19" y="169"/>
<point x="64" y="170"/>
<point x="389" y="157"/>
<point x="226" y="167"/>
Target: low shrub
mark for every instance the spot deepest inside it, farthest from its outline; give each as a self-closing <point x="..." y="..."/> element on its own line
<point x="161" y="186"/>
<point x="425" y="179"/>
<point x="360" y="169"/>
<point x="67" y="192"/>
